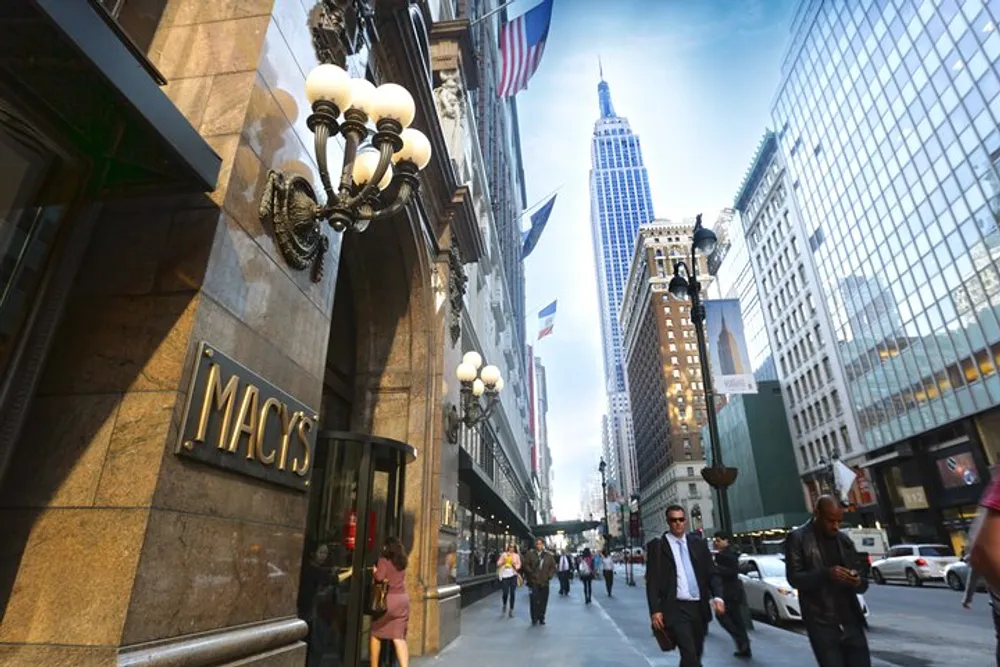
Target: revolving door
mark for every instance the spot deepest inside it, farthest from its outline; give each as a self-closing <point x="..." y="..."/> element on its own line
<point x="355" y="503"/>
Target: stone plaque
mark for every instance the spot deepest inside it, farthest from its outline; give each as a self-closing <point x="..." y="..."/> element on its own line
<point x="237" y="420"/>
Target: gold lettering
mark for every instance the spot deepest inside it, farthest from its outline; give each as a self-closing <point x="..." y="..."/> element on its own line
<point x="265" y="412"/>
<point x="305" y="425"/>
<point x="287" y="424"/>
<point x="248" y="411"/>
<point x="220" y="399"/>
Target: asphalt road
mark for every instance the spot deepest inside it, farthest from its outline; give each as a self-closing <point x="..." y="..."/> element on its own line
<point x="927" y="627"/>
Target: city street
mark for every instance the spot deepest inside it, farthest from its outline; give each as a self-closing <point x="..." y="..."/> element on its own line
<point x="924" y="627"/>
<point x="611" y="632"/>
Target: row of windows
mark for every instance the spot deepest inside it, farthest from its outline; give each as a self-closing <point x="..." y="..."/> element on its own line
<point x="902" y="195"/>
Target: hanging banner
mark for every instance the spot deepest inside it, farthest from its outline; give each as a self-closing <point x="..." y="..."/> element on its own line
<point x="727" y="348"/>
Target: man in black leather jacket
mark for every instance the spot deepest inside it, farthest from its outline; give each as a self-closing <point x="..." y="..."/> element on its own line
<point x="822" y="564"/>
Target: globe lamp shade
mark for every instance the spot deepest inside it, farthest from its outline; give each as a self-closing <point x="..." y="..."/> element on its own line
<point x="473" y="359"/>
<point x="329" y="83"/>
<point x="392" y="101"/>
<point x="416" y="148"/>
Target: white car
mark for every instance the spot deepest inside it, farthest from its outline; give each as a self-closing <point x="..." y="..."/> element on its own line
<point x="768" y="591"/>
<point x="914" y="564"/>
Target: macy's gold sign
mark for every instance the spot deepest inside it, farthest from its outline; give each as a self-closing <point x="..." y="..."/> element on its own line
<point x="236" y="420"/>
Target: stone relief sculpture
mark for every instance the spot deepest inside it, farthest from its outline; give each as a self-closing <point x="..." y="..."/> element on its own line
<point x="456" y="292"/>
<point x="449" y="96"/>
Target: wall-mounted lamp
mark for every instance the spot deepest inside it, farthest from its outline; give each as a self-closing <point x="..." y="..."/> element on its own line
<point x="376" y="180"/>
<point x="477" y="380"/>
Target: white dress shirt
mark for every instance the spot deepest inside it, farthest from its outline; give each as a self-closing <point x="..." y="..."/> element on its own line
<point x="564" y="564"/>
<point x="681" y="552"/>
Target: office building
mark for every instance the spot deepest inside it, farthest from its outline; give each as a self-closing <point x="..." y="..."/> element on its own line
<point x="620" y="201"/>
<point x="665" y="384"/>
<point x="889" y="116"/>
<point x="797" y="324"/>
<point x="152" y="289"/>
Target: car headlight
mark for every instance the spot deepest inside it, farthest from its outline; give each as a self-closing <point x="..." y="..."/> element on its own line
<point x="787" y="592"/>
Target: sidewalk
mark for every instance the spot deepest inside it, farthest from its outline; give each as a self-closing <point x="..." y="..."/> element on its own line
<point x="611" y="632"/>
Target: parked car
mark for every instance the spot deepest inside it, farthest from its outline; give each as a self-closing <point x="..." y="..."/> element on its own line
<point x="914" y="564"/>
<point x="956" y="576"/>
<point x="768" y="591"/>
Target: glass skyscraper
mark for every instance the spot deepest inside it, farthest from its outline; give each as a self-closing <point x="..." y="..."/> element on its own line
<point x="888" y="113"/>
<point x="619" y="202"/>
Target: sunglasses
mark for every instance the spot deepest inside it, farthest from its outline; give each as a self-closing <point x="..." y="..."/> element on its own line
<point x="677" y="519"/>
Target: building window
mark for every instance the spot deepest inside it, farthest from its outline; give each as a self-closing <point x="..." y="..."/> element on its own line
<point x="28" y="226"/>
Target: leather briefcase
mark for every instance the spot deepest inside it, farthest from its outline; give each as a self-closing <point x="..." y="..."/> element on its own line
<point x="665" y="639"/>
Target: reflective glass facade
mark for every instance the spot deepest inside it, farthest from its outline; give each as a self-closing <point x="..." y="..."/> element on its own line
<point x="888" y="114"/>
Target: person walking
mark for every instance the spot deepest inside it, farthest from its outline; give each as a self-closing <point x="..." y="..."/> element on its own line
<point x="984" y="555"/>
<point x="727" y="562"/>
<point x="539" y="568"/>
<point x="608" y="568"/>
<point x="682" y="587"/>
<point x="585" y="568"/>
<point x="565" y="572"/>
<point x="508" y="569"/>
<point x="392" y="624"/>
<point x="822" y="564"/>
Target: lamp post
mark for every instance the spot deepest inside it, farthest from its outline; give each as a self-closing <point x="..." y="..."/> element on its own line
<point x="604" y="494"/>
<point x="629" y="564"/>
<point x="476" y="381"/>
<point x="683" y="285"/>
<point x="827" y="475"/>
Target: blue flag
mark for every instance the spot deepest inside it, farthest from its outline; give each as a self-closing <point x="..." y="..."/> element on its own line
<point x="538" y="220"/>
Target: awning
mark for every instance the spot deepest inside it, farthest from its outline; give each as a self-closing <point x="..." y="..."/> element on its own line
<point x="69" y="64"/>
<point x="487" y="496"/>
<point x="564" y="527"/>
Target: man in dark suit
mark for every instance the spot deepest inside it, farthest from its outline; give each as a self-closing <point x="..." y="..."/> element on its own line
<point x="822" y="564"/>
<point x="539" y="568"/>
<point x="682" y="587"/>
<point x="727" y="562"/>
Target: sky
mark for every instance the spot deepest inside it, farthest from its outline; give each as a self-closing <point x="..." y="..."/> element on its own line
<point x="695" y="78"/>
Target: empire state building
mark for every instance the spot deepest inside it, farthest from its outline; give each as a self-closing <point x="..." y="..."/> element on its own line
<point x="730" y="362"/>
<point x="620" y="201"/>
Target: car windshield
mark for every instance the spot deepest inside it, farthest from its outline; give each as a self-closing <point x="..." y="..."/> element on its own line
<point x="771" y="568"/>
<point x="936" y="551"/>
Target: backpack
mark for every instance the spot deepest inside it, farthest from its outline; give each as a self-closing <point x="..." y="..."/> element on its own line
<point x="584" y="568"/>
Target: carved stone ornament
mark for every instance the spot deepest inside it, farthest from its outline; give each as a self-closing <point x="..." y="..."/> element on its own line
<point x="449" y="96"/>
<point x="287" y="198"/>
<point x="328" y="24"/>
<point x="456" y="292"/>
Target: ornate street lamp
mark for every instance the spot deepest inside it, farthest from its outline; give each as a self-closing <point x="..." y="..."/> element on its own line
<point x="684" y="285"/>
<point x="377" y="179"/>
<point x="477" y="381"/>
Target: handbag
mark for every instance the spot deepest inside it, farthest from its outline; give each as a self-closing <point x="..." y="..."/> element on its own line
<point x="379" y="602"/>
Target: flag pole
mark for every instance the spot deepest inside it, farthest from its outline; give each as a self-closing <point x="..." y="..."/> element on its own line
<point x="491" y="13"/>
<point x="537" y="203"/>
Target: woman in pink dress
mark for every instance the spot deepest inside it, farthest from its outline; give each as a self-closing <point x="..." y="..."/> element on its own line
<point x="391" y="567"/>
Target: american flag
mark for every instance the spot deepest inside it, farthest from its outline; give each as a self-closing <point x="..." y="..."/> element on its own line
<point x="522" y="41"/>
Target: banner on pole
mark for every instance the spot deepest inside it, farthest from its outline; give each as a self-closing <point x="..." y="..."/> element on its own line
<point x="727" y="348"/>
